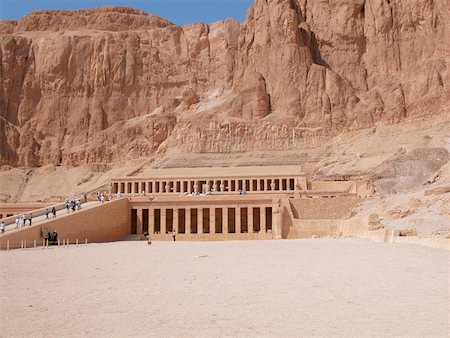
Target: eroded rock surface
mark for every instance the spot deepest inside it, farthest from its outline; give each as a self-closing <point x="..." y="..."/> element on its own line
<point x="113" y="83"/>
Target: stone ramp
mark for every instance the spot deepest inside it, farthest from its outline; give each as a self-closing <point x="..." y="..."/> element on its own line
<point x="38" y="215"/>
<point x="96" y="222"/>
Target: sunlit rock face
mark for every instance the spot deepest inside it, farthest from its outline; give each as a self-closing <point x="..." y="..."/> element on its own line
<point x="113" y="83"/>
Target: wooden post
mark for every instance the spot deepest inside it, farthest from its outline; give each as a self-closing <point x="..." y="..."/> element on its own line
<point x="58" y="242"/>
<point x="86" y="241"/>
<point x="35" y="244"/>
<point x="7" y="245"/>
<point x="21" y="244"/>
<point x="25" y="244"/>
<point x="77" y="242"/>
<point x="43" y="243"/>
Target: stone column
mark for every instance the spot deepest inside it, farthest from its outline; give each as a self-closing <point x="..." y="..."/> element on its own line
<point x="225" y="220"/>
<point x="189" y="187"/>
<point x="151" y="221"/>
<point x="163" y="221"/>
<point x="200" y="220"/>
<point x="188" y="221"/>
<point x="262" y="219"/>
<point x="277" y="217"/>
<point x="175" y="220"/>
<point x="139" y="221"/>
<point x="238" y="220"/>
<point x="258" y="184"/>
<point x="250" y="219"/>
<point x="212" y="220"/>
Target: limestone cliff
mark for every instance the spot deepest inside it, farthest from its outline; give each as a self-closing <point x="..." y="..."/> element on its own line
<point x="111" y="84"/>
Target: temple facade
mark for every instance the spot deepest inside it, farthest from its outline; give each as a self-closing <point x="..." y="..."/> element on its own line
<point x="240" y="203"/>
<point x="223" y="203"/>
<point x="213" y="180"/>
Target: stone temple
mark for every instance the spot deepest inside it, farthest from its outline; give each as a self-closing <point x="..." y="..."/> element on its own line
<point x="234" y="203"/>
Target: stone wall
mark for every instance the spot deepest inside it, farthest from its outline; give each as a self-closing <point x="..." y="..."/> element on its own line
<point x="313" y="228"/>
<point x="323" y="208"/>
<point x="105" y="223"/>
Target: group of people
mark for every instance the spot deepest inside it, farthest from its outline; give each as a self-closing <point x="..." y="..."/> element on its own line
<point x="73" y="203"/>
<point x="53" y="213"/>
<point x="22" y="219"/>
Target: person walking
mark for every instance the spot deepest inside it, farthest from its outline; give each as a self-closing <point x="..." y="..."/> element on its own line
<point x="54" y="212"/>
<point x="46" y="214"/>
<point x="30" y="218"/>
<point x="2" y="227"/>
<point x="174" y="235"/>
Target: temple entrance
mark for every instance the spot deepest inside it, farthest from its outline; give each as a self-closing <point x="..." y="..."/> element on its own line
<point x="206" y="220"/>
<point x="218" y="221"/>
<point x="256" y="220"/>
<point x="169" y="220"/>
<point x="194" y="218"/>
<point x="133" y="229"/>
<point x="268" y="218"/>
<point x="231" y="220"/>
<point x="145" y="220"/>
<point x="157" y="220"/>
<point x="244" y="220"/>
<point x="182" y="221"/>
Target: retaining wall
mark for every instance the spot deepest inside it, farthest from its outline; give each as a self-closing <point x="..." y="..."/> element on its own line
<point x="104" y="223"/>
<point x="323" y="208"/>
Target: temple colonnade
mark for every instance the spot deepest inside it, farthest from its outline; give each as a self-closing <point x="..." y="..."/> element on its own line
<point x="207" y="219"/>
<point x="222" y="185"/>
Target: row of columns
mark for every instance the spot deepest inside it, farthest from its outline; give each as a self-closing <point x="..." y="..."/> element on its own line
<point x="263" y="222"/>
<point x="199" y="186"/>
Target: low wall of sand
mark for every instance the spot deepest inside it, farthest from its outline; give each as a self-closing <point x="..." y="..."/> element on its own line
<point x="105" y="223"/>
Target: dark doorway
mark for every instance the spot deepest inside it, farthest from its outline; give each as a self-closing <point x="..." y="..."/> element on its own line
<point x="268" y="218"/>
<point x="145" y="220"/>
<point x="256" y="220"/>
<point x="231" y="220"/>
<point x="194" y="215"/>
<point x="244" y="220"/>
<point x="133" y="221"/>
<point x="157" y="221"/>
<point x="218" y="220"/>
<point x="206" y="220"/>
<point x="169" y="220"/>
<point x="181" y="221"/>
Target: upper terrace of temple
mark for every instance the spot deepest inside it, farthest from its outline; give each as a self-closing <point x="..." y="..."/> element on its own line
<point x="223" y="180"/>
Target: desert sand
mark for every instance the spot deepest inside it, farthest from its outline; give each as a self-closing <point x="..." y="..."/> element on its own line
<point x="317" y="287"/>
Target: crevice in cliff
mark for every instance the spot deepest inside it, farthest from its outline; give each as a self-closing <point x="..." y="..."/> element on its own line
<point x="316" y="55"/>
<point x="295" y="6"/>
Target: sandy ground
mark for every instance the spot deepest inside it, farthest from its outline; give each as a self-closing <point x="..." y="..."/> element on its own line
<point x="317" y="287"/>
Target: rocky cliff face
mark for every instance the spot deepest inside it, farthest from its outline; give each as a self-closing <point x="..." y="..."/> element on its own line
<point x="110" y="84"/>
